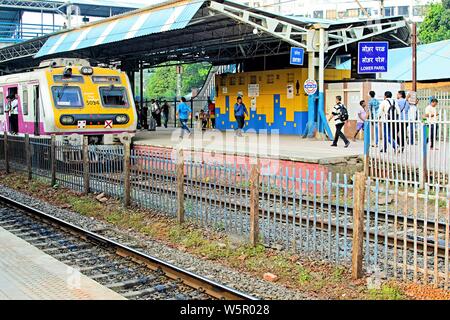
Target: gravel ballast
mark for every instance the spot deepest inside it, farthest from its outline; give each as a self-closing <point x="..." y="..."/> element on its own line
<point x="212" y="270"/>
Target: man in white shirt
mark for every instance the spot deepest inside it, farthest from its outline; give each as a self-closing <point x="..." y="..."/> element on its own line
<point x="12" y="108"/>
<point x="389" y="114"/>
<point x="431" y="115"/>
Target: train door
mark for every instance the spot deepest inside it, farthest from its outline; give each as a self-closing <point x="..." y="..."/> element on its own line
<point x="3" y="120"/>
<point x="13" y="115"/>
<point x="36" y="109"/>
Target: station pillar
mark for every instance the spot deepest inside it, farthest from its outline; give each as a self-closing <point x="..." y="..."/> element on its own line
<point x="317" y="120"/>
<point x="311" y="124"/>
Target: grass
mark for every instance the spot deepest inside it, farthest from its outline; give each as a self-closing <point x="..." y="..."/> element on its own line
<point x="386" y="292"/>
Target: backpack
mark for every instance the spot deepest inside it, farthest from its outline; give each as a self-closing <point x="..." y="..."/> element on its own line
<point x="343" y="113"/>
<point x="392" y="112"/>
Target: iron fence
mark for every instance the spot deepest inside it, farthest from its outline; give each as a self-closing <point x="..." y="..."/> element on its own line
<point x="410" y="151"/>
<point x="406" y="229"/>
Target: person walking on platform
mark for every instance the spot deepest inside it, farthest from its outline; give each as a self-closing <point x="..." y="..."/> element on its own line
<point x="361" y="118"/>
<point x="431" y="115"/>
<point x="340" y="115"/>
<point x="240" y="111"/>
<point x="144" y="116"/>
<point x="389" y="113"/>
<point x="212" y="113"/>
<point x="183" y="114"/>
<point x="404" y="107"/>
<point x="156" y="112"/>
<point x="374" y="110"/>
<point x="165" y="112"/>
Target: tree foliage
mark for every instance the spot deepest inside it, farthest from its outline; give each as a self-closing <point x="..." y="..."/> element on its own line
<point x="163" y="80"/>
<point x="446" y="4"/>
<point x="436" y="25"/>
<point x="162" y="83"/>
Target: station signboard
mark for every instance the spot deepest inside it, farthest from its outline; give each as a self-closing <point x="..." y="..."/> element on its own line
<point x="373" y="57"/>
<point x="297" y="56"/>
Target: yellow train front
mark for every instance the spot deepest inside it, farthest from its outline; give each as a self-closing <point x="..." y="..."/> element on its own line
<point x="86" y="100"/>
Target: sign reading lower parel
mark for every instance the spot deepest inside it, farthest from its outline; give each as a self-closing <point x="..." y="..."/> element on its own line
<point x="373" y="57"/>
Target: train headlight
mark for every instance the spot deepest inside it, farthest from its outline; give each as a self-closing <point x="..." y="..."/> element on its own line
<point x="122" y="118"/>
<point x="67" y="120"/>
<point x="87" y="71"/>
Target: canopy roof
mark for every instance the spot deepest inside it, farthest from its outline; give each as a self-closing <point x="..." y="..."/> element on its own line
<point x="219" y="32"/>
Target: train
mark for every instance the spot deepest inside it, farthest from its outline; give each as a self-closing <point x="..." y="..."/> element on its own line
<point x="69" y="98"/>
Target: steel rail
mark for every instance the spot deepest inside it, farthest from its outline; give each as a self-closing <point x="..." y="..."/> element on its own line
<point x="210" y="287"/>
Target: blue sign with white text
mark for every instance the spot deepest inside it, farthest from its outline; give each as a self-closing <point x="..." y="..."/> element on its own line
<point x="297" y="56"/>
<point x="373" y="57"/>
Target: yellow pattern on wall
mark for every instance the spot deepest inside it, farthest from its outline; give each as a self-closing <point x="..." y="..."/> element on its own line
<point x="270" y="83"/>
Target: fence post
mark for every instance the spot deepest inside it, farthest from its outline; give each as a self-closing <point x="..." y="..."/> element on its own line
<point x="28" y="155"/>
<point x="126" y="173"/>
<point x="367" y="142"/>
<point x="86" y="165"/>
<point x="423" y="171"/>
<point x="358" y="225"/>
<point x="180" y="186"/>
<point x="5" y="144"/>
<point x="254" y="203"/>
<point x="53" y="160"/>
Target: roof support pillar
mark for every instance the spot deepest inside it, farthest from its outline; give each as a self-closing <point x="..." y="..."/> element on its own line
<point x="321" y="117"/>
<point x="311" y="124"/>
<point x="316" y="103"/>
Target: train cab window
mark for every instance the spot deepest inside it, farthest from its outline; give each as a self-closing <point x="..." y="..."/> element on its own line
<point x="2" y="107"/>
<point x="25" y="101"/>
<point x="114" y="97"/>
<point x="67" y="97"/>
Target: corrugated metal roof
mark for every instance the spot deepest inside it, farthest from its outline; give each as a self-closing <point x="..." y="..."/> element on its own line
<point x="433" y="63"/>
<point x="125" y="27"/>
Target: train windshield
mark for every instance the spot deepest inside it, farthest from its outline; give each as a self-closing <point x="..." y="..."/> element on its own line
<point x="114" y="97"/>
<point x="67" y="97"/>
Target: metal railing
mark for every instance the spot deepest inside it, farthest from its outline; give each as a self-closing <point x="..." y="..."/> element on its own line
<point x="401" y="230"/>
<point x="17" y="32"/>
<point x="409" y="151"/>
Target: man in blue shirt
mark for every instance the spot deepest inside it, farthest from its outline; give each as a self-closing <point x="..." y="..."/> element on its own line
<point x="374" y="109"/>
<point x="239" y="113"/>
<point x="404" y="106"/>
<point x="183" y="114"/>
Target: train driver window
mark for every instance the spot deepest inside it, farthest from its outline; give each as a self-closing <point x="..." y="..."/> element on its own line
<point x="25" y="101"/>
<point x="67" y="97"/>
<point x="114" y="97"/>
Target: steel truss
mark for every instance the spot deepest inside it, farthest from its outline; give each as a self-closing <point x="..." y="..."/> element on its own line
<point x="33" y="5"/>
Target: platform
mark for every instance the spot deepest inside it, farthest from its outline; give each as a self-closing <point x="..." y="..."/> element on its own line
<point x="281" y="147"/>
<point x="26" y="273"/>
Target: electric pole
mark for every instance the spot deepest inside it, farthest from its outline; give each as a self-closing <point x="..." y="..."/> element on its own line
<point x="414" y="56"/>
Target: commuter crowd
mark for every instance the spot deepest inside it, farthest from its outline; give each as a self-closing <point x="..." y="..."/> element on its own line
<point x="396" y="120"/>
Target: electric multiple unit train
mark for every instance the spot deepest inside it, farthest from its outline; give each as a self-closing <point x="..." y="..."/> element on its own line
<point x="70" y="98"/>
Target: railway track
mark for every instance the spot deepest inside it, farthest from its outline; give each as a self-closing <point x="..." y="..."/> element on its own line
<point x="130" y="272"/>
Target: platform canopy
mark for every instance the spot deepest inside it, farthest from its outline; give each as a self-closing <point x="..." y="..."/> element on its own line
<point x="219" y="32"/>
